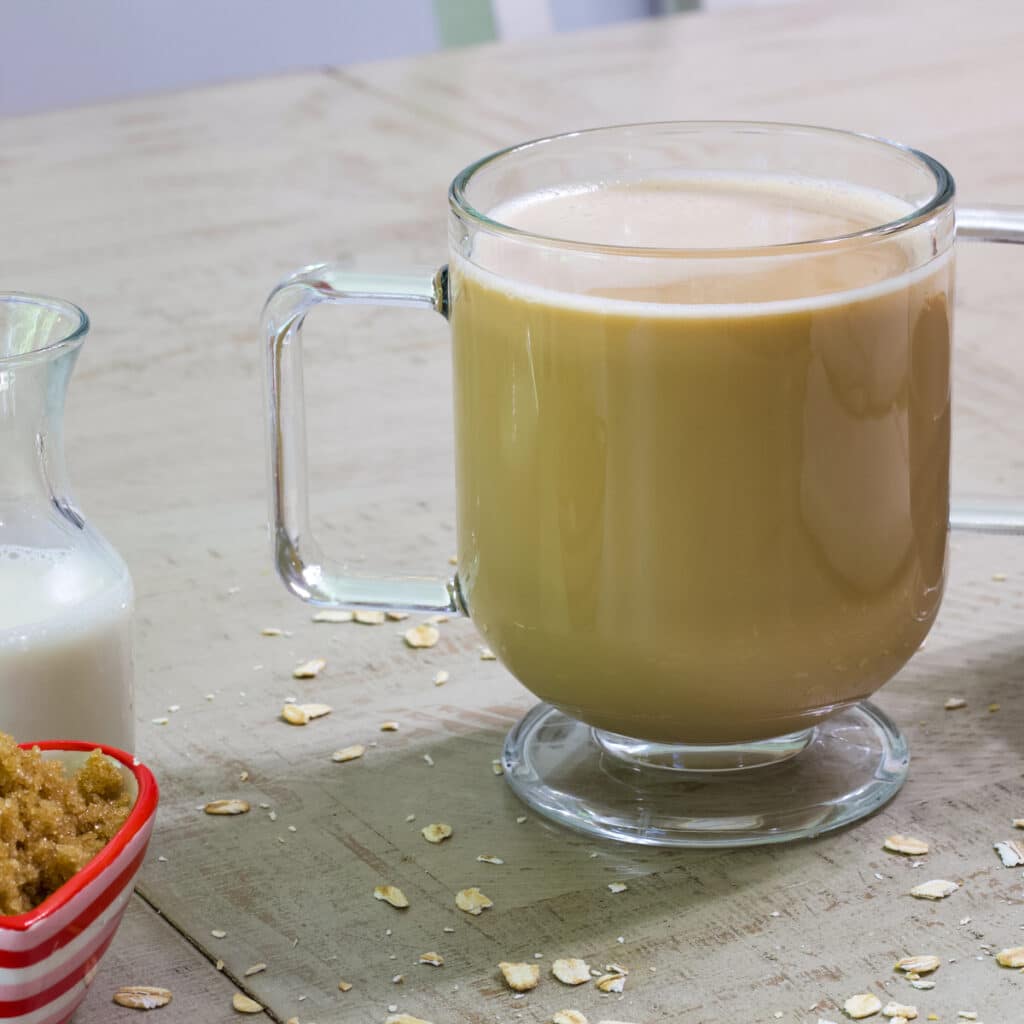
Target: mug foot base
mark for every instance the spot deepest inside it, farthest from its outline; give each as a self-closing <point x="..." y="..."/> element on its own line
<point x="656" y="794"/>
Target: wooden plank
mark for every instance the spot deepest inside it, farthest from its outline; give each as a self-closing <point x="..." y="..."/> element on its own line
<point x="148" y="951"/>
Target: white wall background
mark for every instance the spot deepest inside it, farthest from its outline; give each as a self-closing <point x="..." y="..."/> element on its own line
<point x="61" y="53"/>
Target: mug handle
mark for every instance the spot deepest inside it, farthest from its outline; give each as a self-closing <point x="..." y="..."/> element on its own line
<point x="989" y="515"/>
<point x="299" y="560"/>
<point x="298" y="557"/>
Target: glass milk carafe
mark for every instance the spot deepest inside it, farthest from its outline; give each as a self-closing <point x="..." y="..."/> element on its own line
<point x="66" y="596"/>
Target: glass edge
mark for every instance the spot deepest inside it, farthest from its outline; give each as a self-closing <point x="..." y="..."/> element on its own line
<point x="54" y="348"/>
<point x="942" y="197"/>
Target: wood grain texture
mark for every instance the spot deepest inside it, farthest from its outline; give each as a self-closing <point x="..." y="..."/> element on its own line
<point x="169" y="219"/>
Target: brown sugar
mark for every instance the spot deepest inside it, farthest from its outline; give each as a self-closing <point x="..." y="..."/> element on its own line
<point x="51" y="825"/>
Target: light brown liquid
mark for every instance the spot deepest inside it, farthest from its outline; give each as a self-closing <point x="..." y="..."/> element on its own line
<point x="689" y="512"/>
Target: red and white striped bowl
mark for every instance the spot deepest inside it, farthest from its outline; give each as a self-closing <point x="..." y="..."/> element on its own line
<point x="49" y="956"/>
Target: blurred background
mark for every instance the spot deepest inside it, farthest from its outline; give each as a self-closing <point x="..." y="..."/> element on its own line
<point x="62" y="53"/>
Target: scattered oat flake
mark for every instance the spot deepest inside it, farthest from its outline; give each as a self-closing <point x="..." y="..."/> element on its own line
<point x="316" y="710"/>
<point x="349" y="753"/>
<point x="611" y="982"/>
<point x="389" y="727"/>
<point x="486" y="654"/>
<point x="993" y="708"/>
<point x="568" y="1017"/>
<point x="243" y="1004"/>
<point x="270" y="631"/>
<point x="227" y="807"/>
<point x="520" y="977"/>
<point x="424" y="635"/>
<point x="1013" y="957"/>
<point x="489" y="858"/>
<point x="1018" y="822"/>
<point x="391" y="894"/>
<point x="899" y="1010"/>
<point x="923" y="964"/>
<point x="472" y="901"/>
<point x="161" y="721"/>
<point x="441" y="677"/>
<point x="404" y="1018"/>
<point x="344" y="986"/>
<point x="521" y="819"/>
<point x="369" y="618"/>
<point x="1011" y="853"/>
<point x="309" y="669"/>
<point x="571" y="970"/>
<point x="864" y="1004"/>
<point x="999" y="577"/>
<point x="429" y="760"/>
<point x="967" y="1014"/>
<point x="293" y="714"/>
<point x="142" y="997"/>
<point x="922" y="983"/>
<point x="255" y="969"/>
<point x="396" y="616"/>
<point x="219" y="965"/>
<point x="617" y="887"/>
<point x="936" y="889"/>
<point x="219" y="933"/>
<point x="497" y="767"/>
<point x="243" y="776"/>
<point x="398" y="979"/>
<point x="955" y="703"/>
<point x="434" y="959"/>
<point x="906" y="844"/>
<point x="436" y="833"/>
<point x="332" y="615"/>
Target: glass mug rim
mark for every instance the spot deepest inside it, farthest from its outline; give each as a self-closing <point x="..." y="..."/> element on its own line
<point x="941" y="198"/>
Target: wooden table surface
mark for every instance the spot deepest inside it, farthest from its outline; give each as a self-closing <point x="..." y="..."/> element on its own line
<point x="169" y="218"/>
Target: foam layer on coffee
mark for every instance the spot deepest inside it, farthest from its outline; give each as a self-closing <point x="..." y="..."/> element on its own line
<point x="752" y="217"/>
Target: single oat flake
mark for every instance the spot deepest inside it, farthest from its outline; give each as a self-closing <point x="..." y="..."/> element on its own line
<point x="955" y="703"/>
<point x="227" y="807"/>
<point x="571" y="970"/>
<point x="396" y="616"/>
<point x="568" y="1017"/>
<point x="486" y="654"/>
<point x="1013" y="957"/>
<point x="472" y="901"/>
<point x="489" y="858"/>
<point x="936" y="889"/>
<point x="864" y="1004"/>
<point x="520" y="977"/>
<point x="294" y="714"/>
<point x="922" y="983"/>
<point x="369" y="618"/>
<point x="349" y="753"/>
<point x="1011" y="853"/>
<point x="441" y="677"/>
<point x="1018" y="822"/>
<point x="611" y="982"/>
<point x="617" y="887"/>
<point x="255" y="969"/>
<point x="344" y="986"/>
<point x="243" y="1004"/>
<point x="404" y="1018"/>
<point x="316" y="710"/>
<point x="967" y="1014"/>
<point x="899" y="1010"/>
<point x="906" y="844"/>
<point x="389" y="727"/>
<point x="434" y="959"/>
<point x="142" y="997"/>
<point x="271" y="631"/>
<point x="424" y="635"/>
<point x="923" y="964"/>
<point x="391" y="894"/>
<point x="332" y="615"/>
<point x="309" y="669"/>
<point x="436" y="833"/>
<point x="497" y="767"/>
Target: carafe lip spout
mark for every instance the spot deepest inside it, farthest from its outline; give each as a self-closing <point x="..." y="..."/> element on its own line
<point x="63" y="331"/>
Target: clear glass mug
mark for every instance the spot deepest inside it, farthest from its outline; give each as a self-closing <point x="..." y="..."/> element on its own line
<point x="702" y="490"/>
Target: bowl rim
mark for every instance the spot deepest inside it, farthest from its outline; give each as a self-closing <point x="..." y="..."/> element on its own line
<point x="143" y="809"/>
